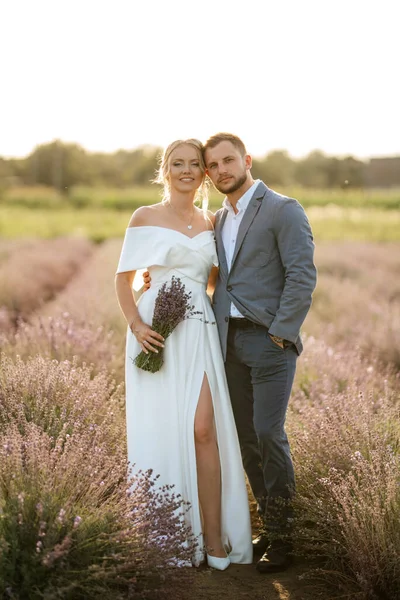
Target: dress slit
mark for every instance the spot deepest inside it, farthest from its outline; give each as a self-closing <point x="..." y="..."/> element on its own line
<point x="196" y="520"/>
<point x="225" y="539"/>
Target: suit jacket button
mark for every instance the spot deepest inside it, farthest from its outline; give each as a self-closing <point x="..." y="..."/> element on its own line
<point x="226" y="319"/>
<point x="229" y="288"/>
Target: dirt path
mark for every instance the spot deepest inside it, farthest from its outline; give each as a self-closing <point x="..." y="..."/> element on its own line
<point x="242" y="582"/>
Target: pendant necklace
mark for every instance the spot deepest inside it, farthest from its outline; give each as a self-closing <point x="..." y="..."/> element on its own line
<point x="190" y="226"/>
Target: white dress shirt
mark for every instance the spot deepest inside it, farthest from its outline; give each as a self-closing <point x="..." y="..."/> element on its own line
<point x="231" y="228"/>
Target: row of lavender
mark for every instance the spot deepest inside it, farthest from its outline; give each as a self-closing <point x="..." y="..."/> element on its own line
<point x="343" y="422"/>
<point x="71" y="523"/>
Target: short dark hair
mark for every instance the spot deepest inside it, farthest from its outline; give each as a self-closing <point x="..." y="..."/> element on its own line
<point x="216" y="139"/>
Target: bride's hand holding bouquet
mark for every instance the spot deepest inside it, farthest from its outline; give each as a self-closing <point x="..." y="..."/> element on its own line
<point x="172" y="306"/>
<point x="148" y="339"/>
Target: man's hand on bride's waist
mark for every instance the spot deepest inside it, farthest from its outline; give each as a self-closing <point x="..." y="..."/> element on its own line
<point x="146" y="281"/>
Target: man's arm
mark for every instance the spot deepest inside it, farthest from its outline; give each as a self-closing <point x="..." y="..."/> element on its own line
<point x="296" y="248"/>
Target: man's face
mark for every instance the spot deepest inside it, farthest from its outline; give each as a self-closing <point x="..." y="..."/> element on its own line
<point x="226" y="167"/>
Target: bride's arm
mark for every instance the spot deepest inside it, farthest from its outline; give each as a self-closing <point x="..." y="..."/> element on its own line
<point x="147" y="338"/>
<point x="124" y="282"/>
<point x="145" y="335"/>
<point x="123" y="288"/>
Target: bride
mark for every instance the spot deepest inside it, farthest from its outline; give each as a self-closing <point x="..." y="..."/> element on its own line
<point x="179" y="419"/>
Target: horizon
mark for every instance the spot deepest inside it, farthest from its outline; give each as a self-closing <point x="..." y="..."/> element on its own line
<point x="158" y="146"/>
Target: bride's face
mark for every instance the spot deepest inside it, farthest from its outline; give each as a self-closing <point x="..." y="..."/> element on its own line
<point x="185" y="172"/>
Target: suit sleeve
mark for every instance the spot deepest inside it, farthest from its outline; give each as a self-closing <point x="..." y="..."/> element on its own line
<point x="296" y="248"/>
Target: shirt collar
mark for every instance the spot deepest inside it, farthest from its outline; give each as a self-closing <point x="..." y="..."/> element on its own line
<point x="243" y="202"/>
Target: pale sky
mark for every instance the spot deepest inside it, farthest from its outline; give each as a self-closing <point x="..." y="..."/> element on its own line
<point x="282" y="74"/>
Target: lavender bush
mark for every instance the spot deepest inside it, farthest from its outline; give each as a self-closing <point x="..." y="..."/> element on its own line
<point x="83" y="320"/>
<point x="345" y="432"/>
<point x="34" y="274"/>
<point x="65" y="338"/>
<point x="71" y="525"/>
<point x="90" y="295"/>
<point x="8" y="247"/>
<point x="356" y="303"/>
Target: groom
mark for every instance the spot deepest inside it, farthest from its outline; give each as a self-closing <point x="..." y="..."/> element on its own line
<point x="262" y="296"/>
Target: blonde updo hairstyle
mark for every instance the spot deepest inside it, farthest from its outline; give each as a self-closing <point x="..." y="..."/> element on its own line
<point x="162" y="176"/>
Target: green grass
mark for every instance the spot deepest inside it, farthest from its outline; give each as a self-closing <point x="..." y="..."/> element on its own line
<point x="96" y="225"/>
<point x="329" y="223"/>
<point x="131" y="198"/>
<point x="85" y="197"/>
<point x="347" y="198"/>
<point x="332" y="223"/>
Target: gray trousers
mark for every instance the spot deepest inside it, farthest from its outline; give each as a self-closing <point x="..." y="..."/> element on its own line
<point x="260" y="376"/>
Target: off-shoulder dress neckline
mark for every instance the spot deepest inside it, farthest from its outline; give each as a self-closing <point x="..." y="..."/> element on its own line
<point x="174" y="230"/>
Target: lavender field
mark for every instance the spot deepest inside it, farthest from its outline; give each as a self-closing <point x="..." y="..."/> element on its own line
<point x="70" y="527"/>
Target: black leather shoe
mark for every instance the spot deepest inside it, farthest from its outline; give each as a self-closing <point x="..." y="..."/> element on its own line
<point x="260" y="544"/>
<point x="277" y="557"/>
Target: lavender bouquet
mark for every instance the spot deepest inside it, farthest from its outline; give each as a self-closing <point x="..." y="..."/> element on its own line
<point x="172" y="306"/>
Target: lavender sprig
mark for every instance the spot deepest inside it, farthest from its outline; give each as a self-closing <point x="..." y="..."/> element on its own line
<point x="172" y="306"/>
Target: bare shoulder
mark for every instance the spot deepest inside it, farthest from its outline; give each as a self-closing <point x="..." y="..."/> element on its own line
<point x="145" y="215"/>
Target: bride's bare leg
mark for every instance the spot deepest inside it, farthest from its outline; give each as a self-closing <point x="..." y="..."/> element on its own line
<point x="208" y="471"/>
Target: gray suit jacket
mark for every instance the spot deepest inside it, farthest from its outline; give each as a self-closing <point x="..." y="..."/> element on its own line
<point x="272" y="275"/>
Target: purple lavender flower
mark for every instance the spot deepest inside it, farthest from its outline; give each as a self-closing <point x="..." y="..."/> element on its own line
<point x="77" y="521"/>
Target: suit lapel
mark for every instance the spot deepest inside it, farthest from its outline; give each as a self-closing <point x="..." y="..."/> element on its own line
<point x="248" y="217"/>
<point x="220" y="244"/>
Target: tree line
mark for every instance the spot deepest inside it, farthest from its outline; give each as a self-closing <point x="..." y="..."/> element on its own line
<point x="64" y="165"/>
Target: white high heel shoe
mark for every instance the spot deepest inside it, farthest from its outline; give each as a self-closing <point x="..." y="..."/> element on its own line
<point x="216" y="562"/>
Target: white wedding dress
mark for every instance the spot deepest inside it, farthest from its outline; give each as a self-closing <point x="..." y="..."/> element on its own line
<point x="160" y="407"/>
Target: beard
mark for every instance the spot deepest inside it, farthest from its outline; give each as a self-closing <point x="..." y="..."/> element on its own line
<point x="234" y="186"/>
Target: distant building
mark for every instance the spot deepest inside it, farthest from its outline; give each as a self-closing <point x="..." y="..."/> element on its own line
<point x="382" y="172"/>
